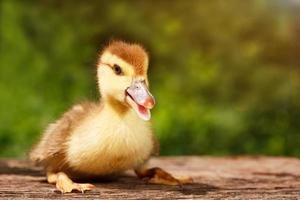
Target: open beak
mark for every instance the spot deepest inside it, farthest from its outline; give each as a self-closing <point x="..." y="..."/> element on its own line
<point x="140" y="99"/>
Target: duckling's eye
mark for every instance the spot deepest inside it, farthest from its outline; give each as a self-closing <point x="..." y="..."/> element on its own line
<point x="117" y="69"/>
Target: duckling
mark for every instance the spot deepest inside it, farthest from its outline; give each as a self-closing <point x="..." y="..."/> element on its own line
<point x="104" y="139"/>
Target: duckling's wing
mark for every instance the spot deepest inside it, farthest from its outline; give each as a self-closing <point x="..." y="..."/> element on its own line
<point x="51" y="148"/>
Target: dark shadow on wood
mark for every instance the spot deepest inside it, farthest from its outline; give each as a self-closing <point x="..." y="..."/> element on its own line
<point x="134" y="184"/>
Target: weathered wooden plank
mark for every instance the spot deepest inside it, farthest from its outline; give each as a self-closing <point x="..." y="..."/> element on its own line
<point x="215" y="178"/>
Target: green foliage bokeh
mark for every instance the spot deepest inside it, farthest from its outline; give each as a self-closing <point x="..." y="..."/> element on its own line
<point x="225" y="74"/>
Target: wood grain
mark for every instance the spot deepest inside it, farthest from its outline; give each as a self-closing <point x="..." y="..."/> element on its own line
<point x="215" y="178"/>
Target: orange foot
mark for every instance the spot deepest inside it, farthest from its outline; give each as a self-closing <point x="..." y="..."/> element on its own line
<point x="65" y="185"/>
<point x="157" y="175"/>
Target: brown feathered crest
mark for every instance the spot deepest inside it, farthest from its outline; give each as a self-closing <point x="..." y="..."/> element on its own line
<point x="133" y="54"/>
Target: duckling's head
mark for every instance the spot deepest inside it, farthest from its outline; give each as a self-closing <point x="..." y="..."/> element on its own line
<point x="122" y="78"/>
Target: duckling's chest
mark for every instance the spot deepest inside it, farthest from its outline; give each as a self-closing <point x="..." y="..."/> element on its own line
<point x="107" y="143"/>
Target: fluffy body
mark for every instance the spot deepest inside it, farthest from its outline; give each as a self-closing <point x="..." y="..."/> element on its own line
<point x="93" y="140"/>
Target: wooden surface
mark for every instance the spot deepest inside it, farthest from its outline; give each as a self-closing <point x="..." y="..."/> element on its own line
<point x="215" y="178"/>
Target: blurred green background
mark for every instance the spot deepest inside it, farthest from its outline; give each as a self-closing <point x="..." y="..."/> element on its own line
<point x="225" y="74"/>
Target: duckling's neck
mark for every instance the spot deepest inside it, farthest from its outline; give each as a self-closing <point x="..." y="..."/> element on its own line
<point x="118" y="107"/>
